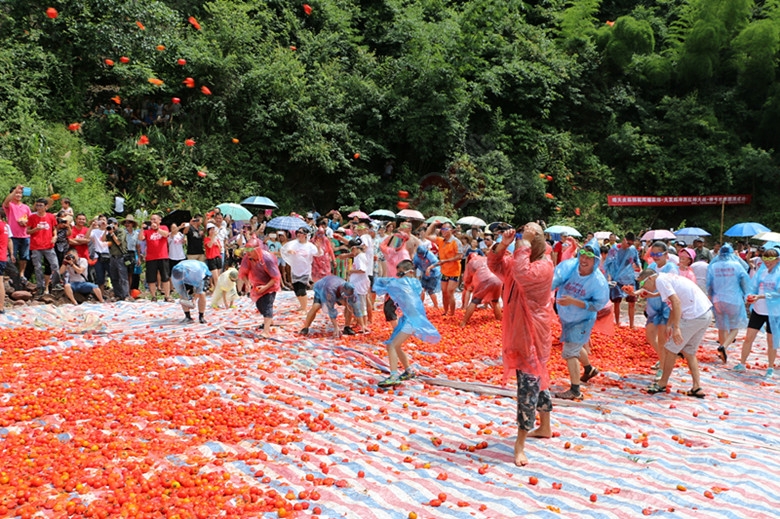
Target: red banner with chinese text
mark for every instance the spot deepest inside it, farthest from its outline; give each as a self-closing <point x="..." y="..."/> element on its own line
<point x="635" y="200"/>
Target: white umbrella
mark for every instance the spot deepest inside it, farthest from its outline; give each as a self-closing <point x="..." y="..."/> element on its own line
<point x="472" y="221"/>
<point x="410" y="214"/>
<point x="602" y="235"/>
<point x="767" y="236"/>
<point x="658" y="234"/>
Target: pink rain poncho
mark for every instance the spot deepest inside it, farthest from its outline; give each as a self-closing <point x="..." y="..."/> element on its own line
<point x="526" y="334"/>
<point x="484" y="285"/>
<point x="393" y="255"/>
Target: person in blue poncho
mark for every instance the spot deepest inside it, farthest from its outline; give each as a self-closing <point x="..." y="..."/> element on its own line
<point x="405" y="290"/>
<point x="621" y="266"/>
<point x="188" y="278"/>
<point x="765" y="298"/>
<point x="657" y="311"/>
<point x="582" y="292"/>
<point x="727" y="286"/>
<point x="328" y="292"/>
<point x="430" y="280"/>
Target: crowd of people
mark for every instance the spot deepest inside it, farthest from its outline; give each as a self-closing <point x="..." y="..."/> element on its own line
<point x="525" y="276"/>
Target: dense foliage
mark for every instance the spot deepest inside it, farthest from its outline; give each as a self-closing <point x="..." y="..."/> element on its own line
<point x="501" y="108"/>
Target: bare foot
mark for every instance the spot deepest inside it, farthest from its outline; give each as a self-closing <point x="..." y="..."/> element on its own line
<point x="540" y="433"/>
<point x="462" y="324"/>
<point x="520" y="458"/>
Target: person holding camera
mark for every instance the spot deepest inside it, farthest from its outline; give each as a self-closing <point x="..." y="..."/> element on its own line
<point x="116" y="239"/>
<point x="74" y="272"/>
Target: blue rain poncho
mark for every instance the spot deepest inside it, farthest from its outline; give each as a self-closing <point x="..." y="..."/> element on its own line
<point x="422" y="260"/>
<point x="405" y="292"/>
<point x="576" y="322"/>
<point x="658" y="312"/>
<point x="189" y="272"/>
<point x="332" y="290"/>
<point x="727" y="285"/>
<point x="620" y="266"/>
<point x="768" y="283"/>
<point x="726" y="252"/>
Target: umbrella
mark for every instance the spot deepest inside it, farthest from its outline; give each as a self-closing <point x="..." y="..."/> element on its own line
<point x="358" y="214"/>
<point x="767" y="236"/>
<point x="382" y="214"/>
<point x="410" y="214"/>
<point x="235" y="211"/>
<point x="287" y="223"/>
<point x="691" y="231"/>
<point x="658" y="234"/>
<point x="261" y="202"/>
<point x="177" y="216"/>
<point x="602" y="235"/>
<point x="558" y="229"/>
<point x="499" y="227"/>
<point x="746" y="229"/>
<point x="473" y="221"/>
<point x="442" y="219"/>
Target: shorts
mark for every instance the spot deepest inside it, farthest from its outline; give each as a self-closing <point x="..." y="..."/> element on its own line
<point x="445" y="279"/>
<point x="83" y="287"/>
<point x="265" y="305"/>
<point x="389" y="309"/>
<point x="359" y="308"/>
<point x="21" y="248"/>
<point x="214" y="263"/>
<point x="371" y="281"/>
<point x="300" y="289"/>
<point x="195" y="289"/>
<point x="197" y="257"/>
<point x="2" y="267"/>
<point x="431" y="285"/>
<point x="153" y="267"/>
<point x="571" y="350"/>
<point x="693" y="331"/>
<point x="629" y="299"/>
<point x="172" y="263"/>
<point x="756" y="321"/>
<point x="407" y="328"/>
<point x="530" y="399"/>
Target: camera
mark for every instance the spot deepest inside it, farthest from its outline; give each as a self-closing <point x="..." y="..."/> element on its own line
<point x="70" y="258"/>
<point x="110" y="228"/>
<point x="61" y="220"/>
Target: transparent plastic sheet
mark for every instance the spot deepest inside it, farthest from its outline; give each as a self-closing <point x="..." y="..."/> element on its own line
<point x="405" y="292"/>
<point x="327" y="291"/>
<point x="422" y="260"/>
<point x="727" y="285"/>
<point x="657" y="311"/>
<point x="74" y="319"/>
<point x="188" y="272"/>
<point x="771" y="285"/>
<point x="620" y="266"/>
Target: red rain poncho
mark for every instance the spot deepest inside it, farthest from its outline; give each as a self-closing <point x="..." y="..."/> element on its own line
<point x="478" y="278"/>
<point x="526" y="334"/>
<point x="321" y="265"/>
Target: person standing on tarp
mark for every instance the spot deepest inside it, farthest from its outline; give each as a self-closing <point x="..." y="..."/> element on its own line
<point x="526" y="334"/>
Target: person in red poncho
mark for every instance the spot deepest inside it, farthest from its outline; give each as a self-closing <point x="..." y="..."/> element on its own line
<point x="527" y="339"/>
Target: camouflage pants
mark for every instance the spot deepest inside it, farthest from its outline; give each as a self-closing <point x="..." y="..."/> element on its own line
<point x="530" y="399"/>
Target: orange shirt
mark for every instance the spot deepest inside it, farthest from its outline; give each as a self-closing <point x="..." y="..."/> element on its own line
<point x="447" y="250"/>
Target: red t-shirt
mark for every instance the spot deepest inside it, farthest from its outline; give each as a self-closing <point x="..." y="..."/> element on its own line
<point x="81" y="250"/>
<point x="156" y="244"/>
<point x="211" y="251"/>
<point x="47" y="224"/>
<point x="4" y="237"/>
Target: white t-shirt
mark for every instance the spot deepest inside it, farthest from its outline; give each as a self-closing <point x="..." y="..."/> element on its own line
<point x="100" y="247"/>
<point x="299" y="256"/>
<point x="699" y="269"/>
<point x="693" y="301"/>
<point x="176" y="246"/>
<point x="360" y="281"/>
<point x="368" y="244"/>
<point x="75" y="277"/>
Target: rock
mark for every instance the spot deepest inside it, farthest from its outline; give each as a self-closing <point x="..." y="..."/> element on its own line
<point x="21" y="295"/>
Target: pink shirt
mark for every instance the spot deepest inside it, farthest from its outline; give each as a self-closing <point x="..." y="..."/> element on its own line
<point x="14" y="212"/>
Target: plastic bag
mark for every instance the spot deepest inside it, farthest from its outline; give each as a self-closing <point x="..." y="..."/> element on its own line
<point x="405" y="292"/>
<point x="727" y="285"/>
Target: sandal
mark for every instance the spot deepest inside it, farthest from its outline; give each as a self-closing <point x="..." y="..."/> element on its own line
<point x="655" y="388"/>
<point x="696" y="393"/>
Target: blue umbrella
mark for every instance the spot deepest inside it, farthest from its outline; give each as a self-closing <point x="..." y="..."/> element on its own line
<point x="691" y="231"/>
<point x="236" y="212"/>
<point x="287" y="223"/>
<point x="746" y="229"/>
<point x="558" y="229"/>
<point x="263" y="202"/>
